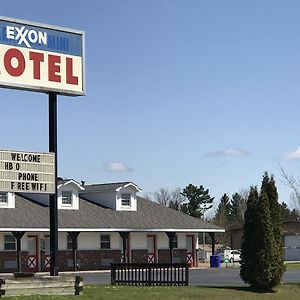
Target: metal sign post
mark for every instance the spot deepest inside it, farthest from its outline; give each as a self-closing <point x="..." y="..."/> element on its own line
<point x="53" y="197"/>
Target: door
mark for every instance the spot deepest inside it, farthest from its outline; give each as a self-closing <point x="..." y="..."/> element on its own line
<point x="151" y="246"/>
<point x="32" y="260"/>
<point x="46" y="254"/>
<point x="190" y="250"/>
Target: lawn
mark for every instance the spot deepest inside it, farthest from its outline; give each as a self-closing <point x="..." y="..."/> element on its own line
<point x="293" y="265"/>
<point x="286" y="291"/>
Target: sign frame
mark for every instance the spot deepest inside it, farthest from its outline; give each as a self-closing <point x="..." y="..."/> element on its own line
<point x="42" y="89"/>
<point x="23" y="164"/>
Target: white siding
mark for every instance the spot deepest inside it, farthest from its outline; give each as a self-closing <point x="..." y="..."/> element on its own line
<point x="138" y="240"/>
<point x="24" y="243"/>
<point x="292" y="241"/>
<point x="181" y="240"/>
<point x="115" y="241"/>
<point x="162" y="241"/>
<point x="89" y="241"/>
<point x="292" y="247"/>
<point x="62" y="241"/>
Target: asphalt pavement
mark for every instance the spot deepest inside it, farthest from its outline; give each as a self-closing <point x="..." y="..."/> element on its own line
<point x="205" y="277"/>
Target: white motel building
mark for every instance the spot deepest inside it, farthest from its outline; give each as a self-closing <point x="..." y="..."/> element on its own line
<point x="98" y="224"/>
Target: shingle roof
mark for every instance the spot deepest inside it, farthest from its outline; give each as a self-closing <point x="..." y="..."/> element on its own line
<point x="149" y="216"/>
<point x="106" y="187"/>
<point x="26" y="214"/>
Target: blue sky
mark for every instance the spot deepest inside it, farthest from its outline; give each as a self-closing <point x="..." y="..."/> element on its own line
<point x="178" y="92"/>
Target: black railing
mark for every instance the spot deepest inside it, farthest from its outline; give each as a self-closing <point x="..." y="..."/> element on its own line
<point x="150" y="274"/>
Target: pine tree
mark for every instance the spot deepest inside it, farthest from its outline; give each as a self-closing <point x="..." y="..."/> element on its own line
<point x="269" y="187"/>
<point x="265" y="251"/>
<point x="222" y="216"/>
<point x="248" y="255"/>
<point x="199" y="200"/>
<point x="262" y="258"/>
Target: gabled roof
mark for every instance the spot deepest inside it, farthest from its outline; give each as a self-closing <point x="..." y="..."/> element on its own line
<point x="108" y="187"/>
<point x="61" y="182"/>
<point x="150" y="216"/>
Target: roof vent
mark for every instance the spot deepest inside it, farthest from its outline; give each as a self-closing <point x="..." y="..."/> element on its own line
<point x="82" y="182"/>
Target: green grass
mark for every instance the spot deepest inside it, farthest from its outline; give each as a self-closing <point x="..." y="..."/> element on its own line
<point x="286" y="291"/>
<point x="292" y="265"/>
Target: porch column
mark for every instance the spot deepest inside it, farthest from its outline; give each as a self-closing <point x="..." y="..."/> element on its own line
<point x="171" y="236"/>
<point x="213" y="242"/>
<point x="74" y="235"/>
<point x="18" y="236"/>
<point x="124" y="235"/>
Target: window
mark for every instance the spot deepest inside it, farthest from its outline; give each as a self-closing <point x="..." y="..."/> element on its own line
<point x="69" y="243"/>
<point x="67" y="197"/>
<point x="3" y="197"/>
<point x="9" y="242"/>
<point x="125" y="199"/>
<point x="105" y="241"/>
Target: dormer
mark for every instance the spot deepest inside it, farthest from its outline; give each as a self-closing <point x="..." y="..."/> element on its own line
<point x="126" y="197"/>
<point x="68" y="194"/>
<point x="7" y="200"/>
<point x="120" y="196"/>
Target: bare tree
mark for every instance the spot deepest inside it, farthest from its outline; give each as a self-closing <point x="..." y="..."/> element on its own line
<point x="294" y="185"/>
<point x="162" y="196"/>
<point x="244" y="193"/>
<point x="172" y="199"/>
<point x="176" y="199"/>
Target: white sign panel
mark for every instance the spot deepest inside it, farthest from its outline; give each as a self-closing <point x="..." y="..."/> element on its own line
<point x="27" y="172"/>
<point x="41" y="57"/>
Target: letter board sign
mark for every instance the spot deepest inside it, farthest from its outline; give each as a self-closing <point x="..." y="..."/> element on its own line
<point x="27" y="172"/>
<point x="41" y="58"/>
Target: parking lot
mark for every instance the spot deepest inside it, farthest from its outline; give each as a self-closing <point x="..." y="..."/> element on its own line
<point x="207" y="277"/>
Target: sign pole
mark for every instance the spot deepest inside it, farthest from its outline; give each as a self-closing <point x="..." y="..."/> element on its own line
<point x="53" y="197"/>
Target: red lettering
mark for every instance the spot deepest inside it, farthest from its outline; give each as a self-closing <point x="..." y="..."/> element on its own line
<point x="70" y="78"/>
<point x="37" y="58"/>
<point x="54" y="68"/>
<point x="8" y="56"/>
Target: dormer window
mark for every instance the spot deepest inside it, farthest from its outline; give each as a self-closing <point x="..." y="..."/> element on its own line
<point x="67" y="198"/>
<point x="3" y="198"/>
<point x="68" y="194"/>
<point x="7" y="200"/>
<point x="125" y="199"/>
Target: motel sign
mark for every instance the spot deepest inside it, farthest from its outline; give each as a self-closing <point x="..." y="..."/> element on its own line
<point x="41" y="57"/>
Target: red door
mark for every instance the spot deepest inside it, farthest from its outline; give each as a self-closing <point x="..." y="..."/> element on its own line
<point x="151" y="246"/>
<point x="32" y="259"/>
<point x="190" y="250"/>
<point x="46" y="254"/>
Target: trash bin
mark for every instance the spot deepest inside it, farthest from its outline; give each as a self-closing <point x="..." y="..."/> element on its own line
<point x="215" y="261"/>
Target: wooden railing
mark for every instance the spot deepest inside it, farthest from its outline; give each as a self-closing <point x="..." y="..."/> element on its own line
<point x="150" y="274"/>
